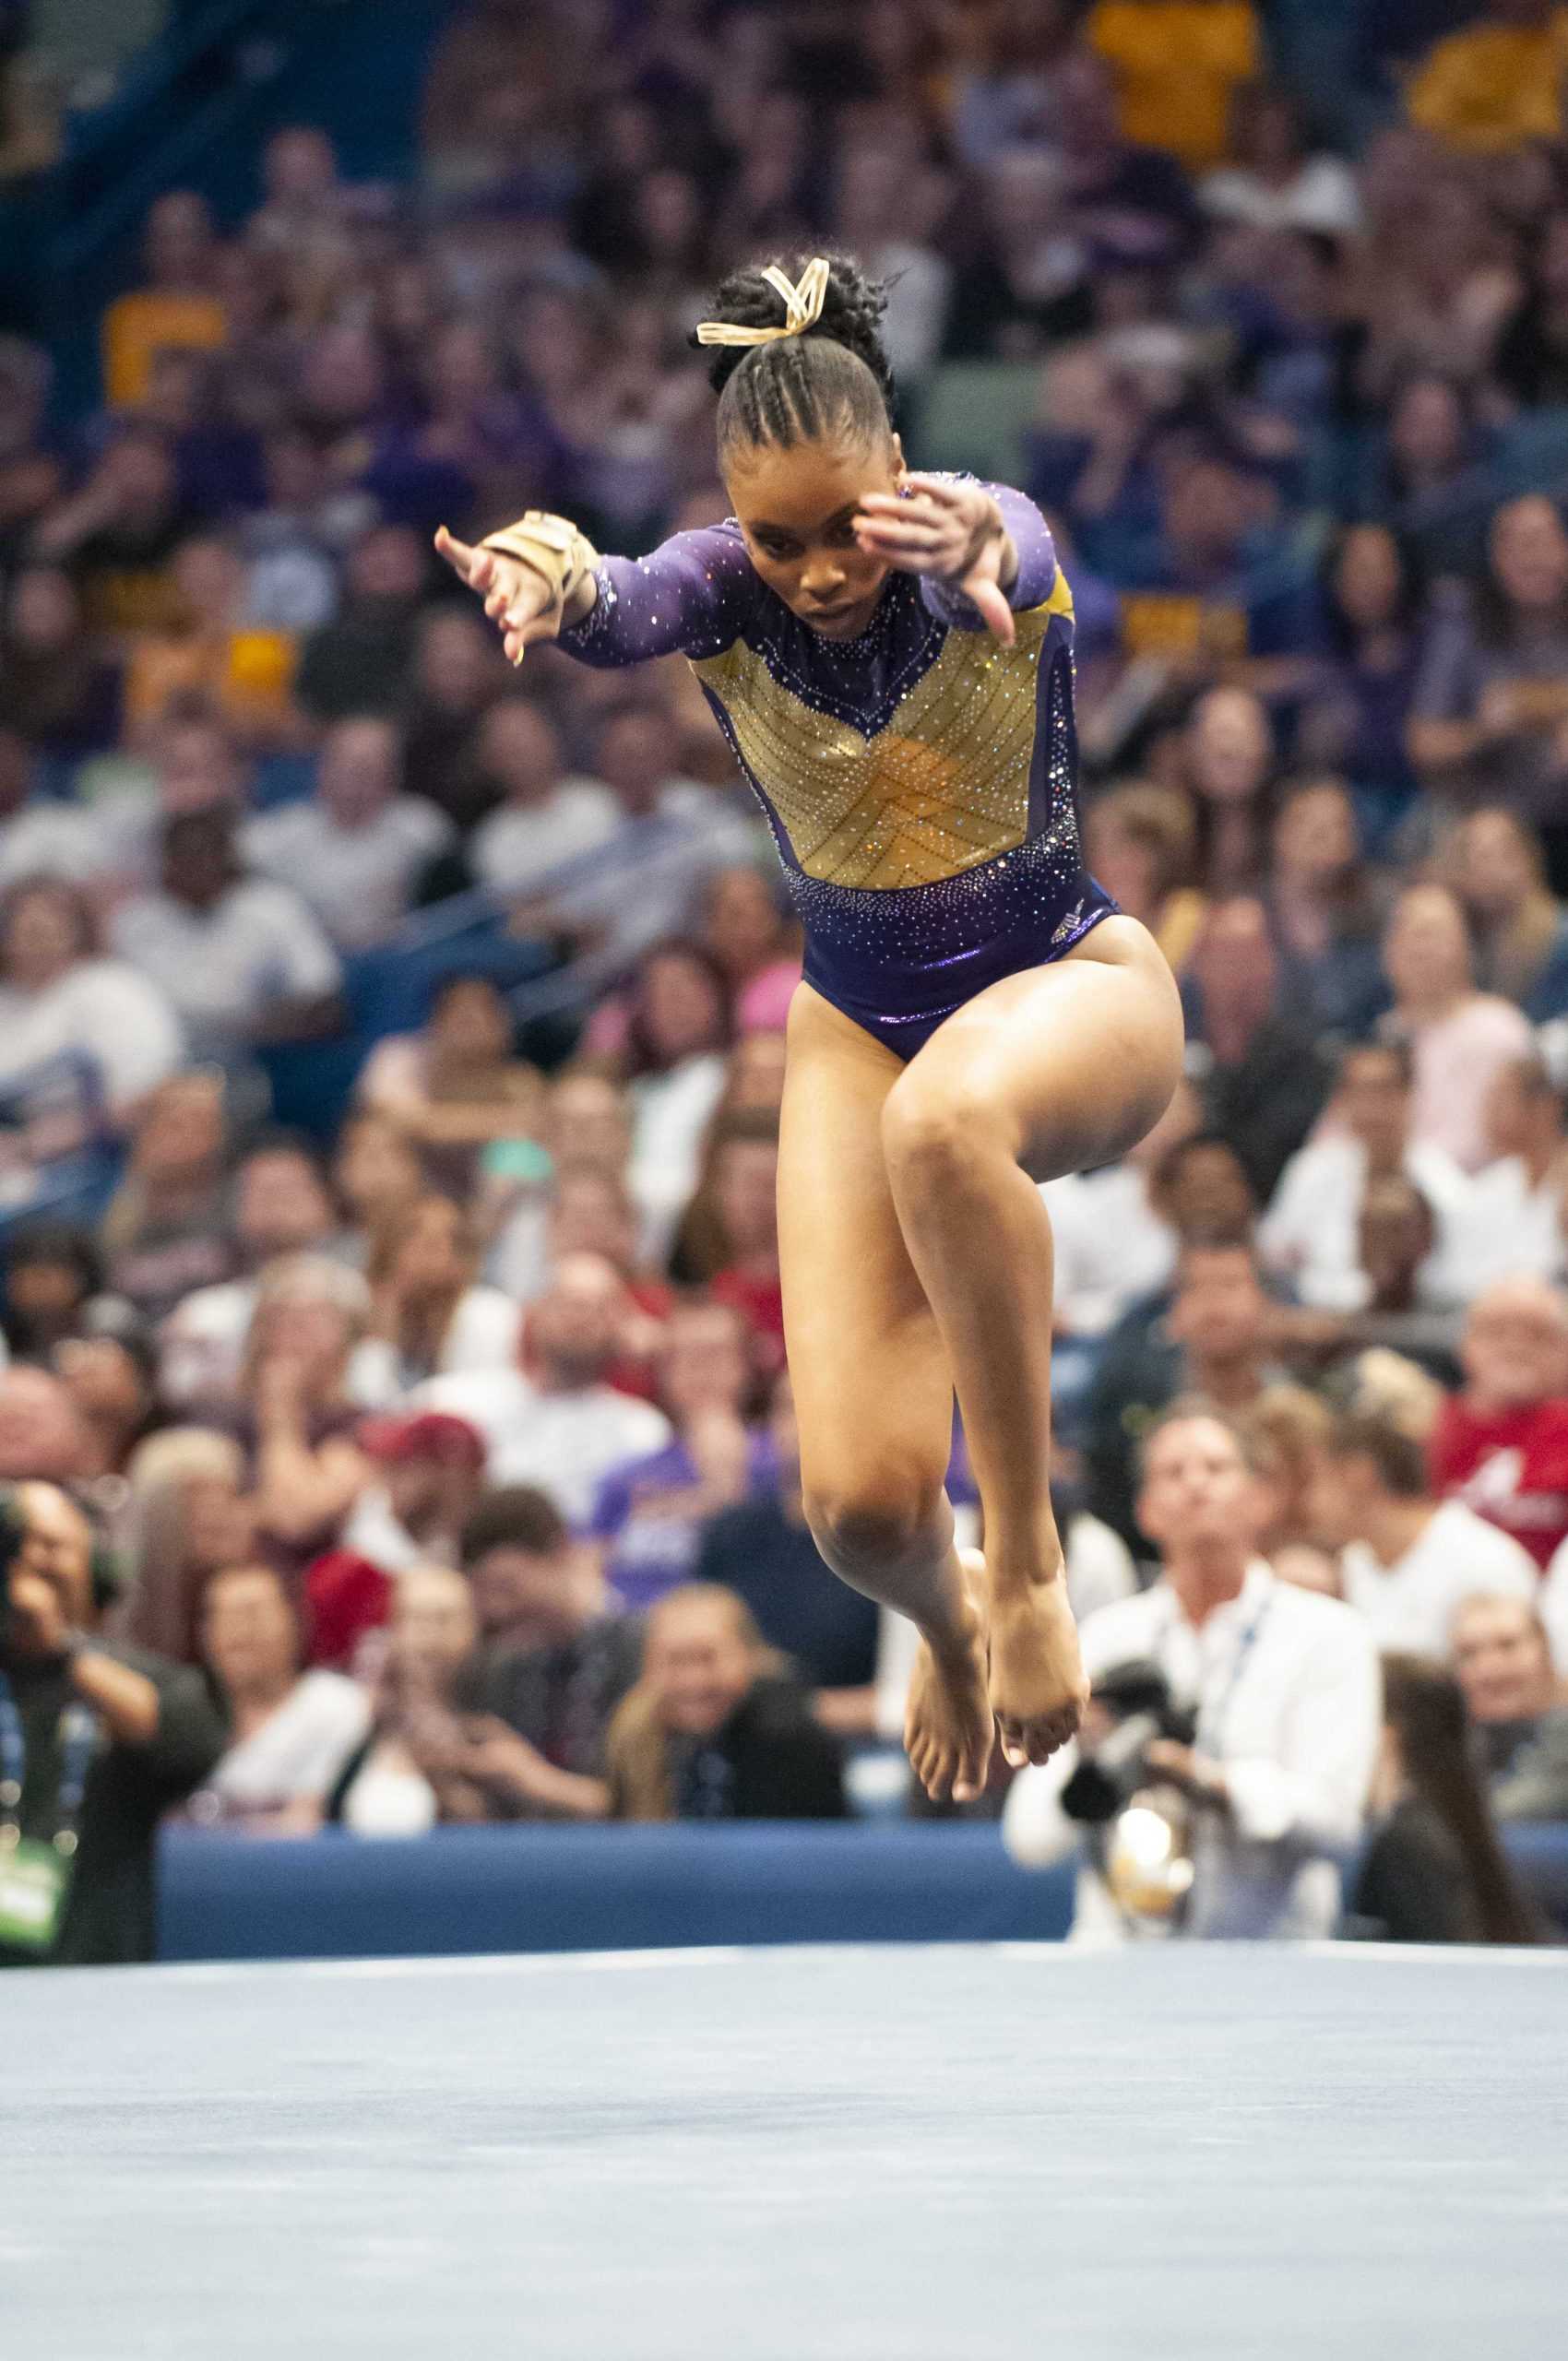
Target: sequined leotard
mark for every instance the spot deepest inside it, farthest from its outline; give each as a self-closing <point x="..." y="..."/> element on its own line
<point x="921" y="780"/>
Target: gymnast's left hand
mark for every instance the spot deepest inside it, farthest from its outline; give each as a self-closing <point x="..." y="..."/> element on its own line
<point x="952" y="530"/>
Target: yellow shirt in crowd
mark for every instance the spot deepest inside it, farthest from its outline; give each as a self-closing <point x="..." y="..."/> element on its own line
<point x="1493" y="87"/>
<point x="138" y="327"/>
<point x="1178" y="64"/>
<point x="248" y="674"/>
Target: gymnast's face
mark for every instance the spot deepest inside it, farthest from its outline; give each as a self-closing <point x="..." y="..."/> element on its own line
<point x="797" y="510"/>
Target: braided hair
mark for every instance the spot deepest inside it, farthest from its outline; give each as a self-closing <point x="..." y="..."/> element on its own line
<point x="835" y="379"/>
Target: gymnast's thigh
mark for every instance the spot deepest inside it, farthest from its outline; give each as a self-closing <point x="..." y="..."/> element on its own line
<point x="1075" y="1061"/>
<point x="873" y="1395"/>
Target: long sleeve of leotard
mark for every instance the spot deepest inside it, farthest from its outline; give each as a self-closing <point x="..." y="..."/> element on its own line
<point x="689" y="597"/>
<point x="1036" y="577"/>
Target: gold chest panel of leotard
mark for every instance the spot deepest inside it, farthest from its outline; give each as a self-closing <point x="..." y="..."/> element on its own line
<point x="941" y="787"/>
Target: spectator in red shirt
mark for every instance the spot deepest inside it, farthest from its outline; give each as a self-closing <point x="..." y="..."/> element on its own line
<point x="1501" y="1445"/>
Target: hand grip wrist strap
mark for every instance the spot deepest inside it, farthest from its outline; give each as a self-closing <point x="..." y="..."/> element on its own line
<point x="551" y="547"/>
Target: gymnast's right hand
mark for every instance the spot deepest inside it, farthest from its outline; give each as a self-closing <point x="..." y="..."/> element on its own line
<point x="515" y="597"/>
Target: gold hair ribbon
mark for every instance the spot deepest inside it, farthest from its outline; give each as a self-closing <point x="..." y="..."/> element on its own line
<point x="803" y="307"/>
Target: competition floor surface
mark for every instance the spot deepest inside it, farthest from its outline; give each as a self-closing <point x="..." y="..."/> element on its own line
<point x="941" y="2153"/>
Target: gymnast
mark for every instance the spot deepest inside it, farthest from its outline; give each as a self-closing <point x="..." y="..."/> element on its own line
<point x="890" y="658"/>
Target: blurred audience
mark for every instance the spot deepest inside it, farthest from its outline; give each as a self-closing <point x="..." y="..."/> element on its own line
<point x="408" y="1772"/>
<point x="291" y="1729"/>
<point x="187" y="1515"/>
<point x="648" y="1515"/>
<point x="558" y="1655"/>
<point x="1406" y="1559"/>
<point x="1460" y="1038"/>
<point x="285" y="842"/>
<point x="1434" y="1871"/>
<point x="243" y="962"/>
<point x="555" y="1420"/>
<point x="430" y="1315"/>
<point x="457" y="1087"/>
<point x="713" y="1730"/>
<point x="1517" y="1705"/>
<point x="353" y="850"/>
<point x="427" y="1470"/>
<point x="1502" y="1443"/>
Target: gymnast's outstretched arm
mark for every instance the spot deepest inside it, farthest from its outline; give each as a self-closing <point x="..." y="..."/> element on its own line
<point x="541" y="579"/>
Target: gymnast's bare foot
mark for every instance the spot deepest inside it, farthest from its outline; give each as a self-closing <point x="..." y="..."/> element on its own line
<point x="1037" y="1689"/>
<point x="949" y="1726"/>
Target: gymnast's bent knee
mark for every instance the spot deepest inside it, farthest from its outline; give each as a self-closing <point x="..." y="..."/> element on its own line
<point x="859" y="1527"/>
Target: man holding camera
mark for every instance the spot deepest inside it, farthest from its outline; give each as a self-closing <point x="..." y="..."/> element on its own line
<point x="1227" y="1754"/>
<point x="96" y="1743"/>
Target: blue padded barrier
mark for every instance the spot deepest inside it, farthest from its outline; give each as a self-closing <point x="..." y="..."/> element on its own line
<point x="633" y="1889"/>
<point x="597" y="1889"/>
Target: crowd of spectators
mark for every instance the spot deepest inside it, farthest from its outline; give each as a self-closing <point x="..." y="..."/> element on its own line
<point x="451" y="1436"/>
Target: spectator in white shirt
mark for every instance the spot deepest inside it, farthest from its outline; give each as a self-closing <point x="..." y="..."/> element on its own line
<point x="354" y="850"/>
<point x="1396" y="1241"/>
<point x="677" y="1040"/>
<point x="670" y="836"/>
<point x="1119" y="1236"/>
<point x="1116" y="1239"/>
<point x="458" y="1084"/>
<point x="560" y="1427"/>
<point x="1407" y="1560"/>
<point x="1461" y="1038"/>
<point x="293" y="1731"/>
<point x="546" y="819"/>
<point x="38" y="836"/>
<point x="195" y="768"/>
<point x="1276" y="182"/>
<point x="294" y="582"/>
<point x="280" y="1206"/>
<point x="1284" y="1685"/>
<point x="102" y="1030"/>
<point x="1552" y="1606"/>
<point x="243" y="961"/>
<point x="1309" y="1234"/>
<point x="1515" y="1215"/>
<point x="429" y="1315"/>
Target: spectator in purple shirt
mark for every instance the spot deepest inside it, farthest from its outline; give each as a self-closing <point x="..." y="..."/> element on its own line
<point x="649" y="1513"/>
<point x="1358" y="707"/>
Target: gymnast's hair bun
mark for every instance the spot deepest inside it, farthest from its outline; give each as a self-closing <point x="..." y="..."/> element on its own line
<point x="851" y="316"/>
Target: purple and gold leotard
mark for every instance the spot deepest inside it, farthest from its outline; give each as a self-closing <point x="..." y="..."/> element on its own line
<point x="921" y="780"/>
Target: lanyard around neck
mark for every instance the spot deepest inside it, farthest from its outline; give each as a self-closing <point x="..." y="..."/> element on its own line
<point x="79" y="1741"/>
<point x="1213" y="1713"/>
